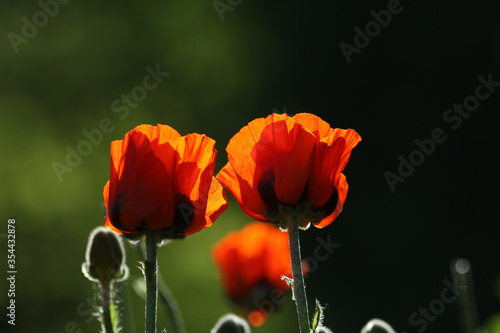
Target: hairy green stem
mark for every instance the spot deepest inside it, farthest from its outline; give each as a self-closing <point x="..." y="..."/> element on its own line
<point x="299" y="289"/>
<point x="151" y="278"/>
<point x="107" y="324"/>
<point x="167" y="298"/>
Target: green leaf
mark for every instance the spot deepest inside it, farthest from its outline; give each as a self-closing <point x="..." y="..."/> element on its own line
<point x="139" y="287"/>
<point x="317" y="319"/>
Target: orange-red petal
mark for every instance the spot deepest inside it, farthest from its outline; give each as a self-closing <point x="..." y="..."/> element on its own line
<point x="285" y="149"/>
<point x="269" y="163"/>
<point x="259" y="252"/>
<point x="341" y="189"/>
<point x="193" y="180"/>
<point x="162" y="181"/>
<point x="253" y="205"/>
<point x="137" y="198"/>
<point x="327" y="187"/>
<point x="216" y="203"/>
<point x="320" y="128"/>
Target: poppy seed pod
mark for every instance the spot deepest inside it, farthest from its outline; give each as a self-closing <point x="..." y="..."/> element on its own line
<point x="105" y="256"/>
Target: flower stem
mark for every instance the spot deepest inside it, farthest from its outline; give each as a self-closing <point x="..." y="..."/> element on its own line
<point x="107" y="323"/>
<point x="151" y="277"/>
<point x="172" y="307"/>
<point x="299" y="290"/>
<point x="167" y="298"/>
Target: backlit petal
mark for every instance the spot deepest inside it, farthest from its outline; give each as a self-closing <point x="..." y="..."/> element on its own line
<point x="194" y="173"/>
<point x="314" y="124"/>
<point x="253" y="205"/>
<point x="270" y="160"/>
<point x="342" y="188"/>
<point x="162" y="181"/>
<point x="327" y="187"/>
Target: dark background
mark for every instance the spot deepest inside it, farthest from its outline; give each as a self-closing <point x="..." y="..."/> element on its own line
<point x="395" y="246"/>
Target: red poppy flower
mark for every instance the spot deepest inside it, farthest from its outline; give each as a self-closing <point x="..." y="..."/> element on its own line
<point x="289" y="161"/>
<point x="252" y="262"/>
<point x="162" y="181"/>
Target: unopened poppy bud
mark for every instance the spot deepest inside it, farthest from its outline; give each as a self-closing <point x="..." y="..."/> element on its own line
<point x="105" y="256"/>
<point x="377" y="326"/>
<point x="231" y="323"/>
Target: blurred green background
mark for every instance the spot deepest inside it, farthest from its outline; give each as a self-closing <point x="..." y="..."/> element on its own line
<point x="61" y="80"/>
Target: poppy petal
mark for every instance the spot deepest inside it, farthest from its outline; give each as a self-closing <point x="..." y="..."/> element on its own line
<point x="159" y="133"/>
<point x="194" y="173"/>
<point x="137" y="199"/>
<point x="314" y="124"/>
<point x="107" y="222"/>
<point x="217" y="201"/>
<point x="240" y="176"/>
<point x="252" y="262"/>
<point x="341" y="189"/>
<point x="161" y="181"/>
<point x="324" y="183"/>
<point x="235" y="184"/>
<point x="277" y="172"/>
<point x="292" y="162"/>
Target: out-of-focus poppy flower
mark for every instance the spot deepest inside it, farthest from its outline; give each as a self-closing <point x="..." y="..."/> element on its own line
<point x="282" y="161"/>
<point x="162" y="181"/>
<point x="252" y="262"/>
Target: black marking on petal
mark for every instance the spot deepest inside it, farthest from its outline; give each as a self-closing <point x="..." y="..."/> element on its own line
<point x="266" y="188"/>
<point x="331" y="204"/>
<point x="143" y="227"/>
<point x="184" y="213"/>
<point x="115" y="213"/>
